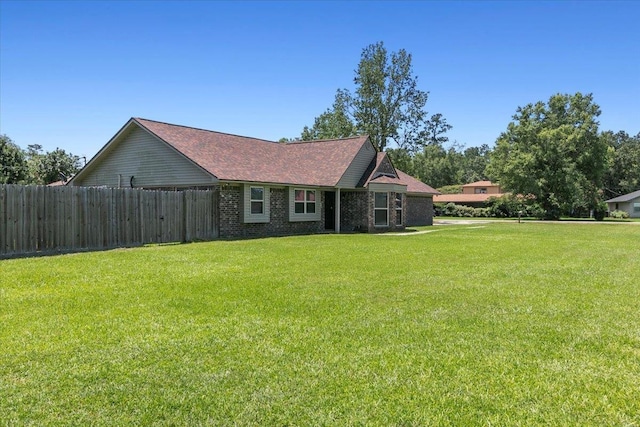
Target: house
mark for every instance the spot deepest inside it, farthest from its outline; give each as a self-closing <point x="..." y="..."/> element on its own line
<point x="474" y="194"/>
<point x="264" y="187"/>
<point x="629" y="203"/>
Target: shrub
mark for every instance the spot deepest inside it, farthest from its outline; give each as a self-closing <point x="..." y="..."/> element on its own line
<point x="600" y="211"/>
<point x="619" y="215"/>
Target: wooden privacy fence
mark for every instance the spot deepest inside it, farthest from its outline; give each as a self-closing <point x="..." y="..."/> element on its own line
<point x="51" y="219"/>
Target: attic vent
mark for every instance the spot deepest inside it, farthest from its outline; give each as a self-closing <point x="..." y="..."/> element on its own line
<point x="389" y="175"/>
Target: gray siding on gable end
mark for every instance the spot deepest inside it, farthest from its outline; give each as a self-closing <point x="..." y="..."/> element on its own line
<point x="358" y="166"/>
<point x="149" y="160"/>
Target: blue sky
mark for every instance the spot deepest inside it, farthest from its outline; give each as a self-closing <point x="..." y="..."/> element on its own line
<point x="72" y="73"/>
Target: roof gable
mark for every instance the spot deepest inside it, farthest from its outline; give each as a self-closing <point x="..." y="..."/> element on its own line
<point x="382" y="171"/>
<point x="136" y="152"/>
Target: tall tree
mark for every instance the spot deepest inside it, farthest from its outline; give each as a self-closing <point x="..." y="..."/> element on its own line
<point x="386" y="105"/>
<point x="13" y="164"/>
<point x="623" y="174"/>
<point x="553" y="151"/>
<point x="333" y="123"/>
<point x="437" y="127"/>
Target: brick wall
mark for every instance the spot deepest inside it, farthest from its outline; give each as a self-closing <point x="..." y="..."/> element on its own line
<point x="279" y="225"/>
<point x="357" y="214"/>
<point x="353" y="211"/>
<point x="419" y="211"/>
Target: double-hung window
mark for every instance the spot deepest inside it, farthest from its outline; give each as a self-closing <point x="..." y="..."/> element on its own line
<point x="398" y="208"/>
<point x="255" y="204"/>
<point x="304" y="201"/>
<point x="381" y="209"/>
<point x="636" y="207"/>
<point x="257" y="200"/>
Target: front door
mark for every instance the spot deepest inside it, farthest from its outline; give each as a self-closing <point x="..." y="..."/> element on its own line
<point x="329" y="210"/>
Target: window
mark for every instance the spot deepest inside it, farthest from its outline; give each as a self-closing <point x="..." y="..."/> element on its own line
<point x="481" y="191"/>
<point x="304" y="201"/>
<point x="255" y="204"/>
<point x="398" y="208"/>
<point x="636" y="207"/>
<point x="257" y="200"/>
<point x="381" y="210"/>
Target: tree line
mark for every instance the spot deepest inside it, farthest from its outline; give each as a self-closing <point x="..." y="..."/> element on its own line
<point x="33" y="165"/>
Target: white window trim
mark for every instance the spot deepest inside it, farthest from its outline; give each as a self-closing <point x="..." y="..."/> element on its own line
<point x="400" y="209"/>
<point x="306" y="216"/>
<point x="247" y="216"/>
<point x="252" y="200"/>
<point x="386" y="208"/>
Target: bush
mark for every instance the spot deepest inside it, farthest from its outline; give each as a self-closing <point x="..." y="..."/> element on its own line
<point x="619" y="215"/>
<point x="512" y="206"/>
<point x="600" y="211"/>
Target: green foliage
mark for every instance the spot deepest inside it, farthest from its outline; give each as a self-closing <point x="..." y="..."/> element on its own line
<point x="13" y="164"/>
<point x="514" y="205"/>
<point x="333" y="123"/>
<point x="619" y="215"/>
<point x="508" y="324"/>
<point x="451" y="189"/>
<point x="439" y="166"/>
<point x="623" y="174"/>
<point x="600" y="211"/>
<point x="554" y="152"/>
<point x="452" y="209"/>
<point x="507" y="206"/>
<point x="474" y="161"/>
<point x="34" y="166"/>
<point x="386" y="105"/>
<point x="45" y="168"/>
<point x="402" y="159"/>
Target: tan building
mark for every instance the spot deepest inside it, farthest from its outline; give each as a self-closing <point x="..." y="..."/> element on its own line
<point x="474" y="194"/>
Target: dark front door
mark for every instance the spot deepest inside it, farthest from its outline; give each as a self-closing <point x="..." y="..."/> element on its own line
<point x="329" y="210"/>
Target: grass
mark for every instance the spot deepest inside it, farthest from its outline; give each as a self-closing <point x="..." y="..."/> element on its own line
<point x="500" y="324"/>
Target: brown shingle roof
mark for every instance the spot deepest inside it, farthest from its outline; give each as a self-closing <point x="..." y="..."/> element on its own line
<point x="415" y="185"/>
<point x="239" y="158"/>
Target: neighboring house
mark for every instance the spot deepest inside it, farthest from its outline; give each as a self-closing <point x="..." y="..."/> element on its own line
<point x="629" y="203"/>
<point x="475" y="194"/>
<point x="266" y="188"/>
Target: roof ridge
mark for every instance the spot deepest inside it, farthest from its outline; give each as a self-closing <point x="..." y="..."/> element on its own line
<point x="327" y="140"/>
<point x="204" y="130"/>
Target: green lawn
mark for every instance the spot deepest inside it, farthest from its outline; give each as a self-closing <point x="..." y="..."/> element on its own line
<point x="503" y="324"/>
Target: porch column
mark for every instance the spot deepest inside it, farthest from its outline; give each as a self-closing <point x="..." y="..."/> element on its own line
<point x="337" y="213"/>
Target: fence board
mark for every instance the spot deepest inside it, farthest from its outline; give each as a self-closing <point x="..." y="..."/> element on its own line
<point x="53" y="219"/>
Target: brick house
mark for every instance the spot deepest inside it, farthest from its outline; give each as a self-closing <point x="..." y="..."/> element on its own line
<point x="266" y="188"/>
<point x="475" y="194"/>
